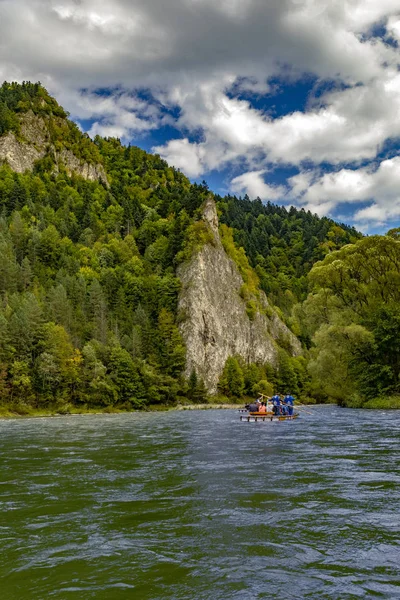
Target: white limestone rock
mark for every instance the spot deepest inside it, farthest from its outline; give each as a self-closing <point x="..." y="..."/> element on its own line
<point x="214" y="322"/>
<point x="21" y="154"/>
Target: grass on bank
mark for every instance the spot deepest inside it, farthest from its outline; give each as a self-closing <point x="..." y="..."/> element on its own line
<point x="20" y="409"/>
<point x="388" y="403"/>
<point x="23" y="410"/>
<point x="380" y="403"/>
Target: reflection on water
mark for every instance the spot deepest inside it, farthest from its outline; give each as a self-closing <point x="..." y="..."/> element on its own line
<point x="196" y="505"/>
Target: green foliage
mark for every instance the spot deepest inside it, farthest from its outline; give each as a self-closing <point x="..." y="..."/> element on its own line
<point x="385" y="403"/>
<point x="238" y="255"/>
<point x="197" y="392"/>
<point x="281" y="245"/>
<point x="252" y="375"/>
<point x="239" y="379"/>
<point x="197" y="235"/>
<point x="89" y="293"/>
<point x="8" y="119"/>
<point x="21" y="97"/>
<point x="263" y="387"/>
<point x="354" y="315"/>
<point x="18" y="98"/>
<point x="232" y="380"/>
<point x="287" y="376"/>
<point x="88" y="310"/>
<point x="250" y="289"/>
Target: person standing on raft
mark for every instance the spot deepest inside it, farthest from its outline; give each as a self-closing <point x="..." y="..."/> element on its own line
<point x="276" y="400"/>
<point x="289" y="401"/>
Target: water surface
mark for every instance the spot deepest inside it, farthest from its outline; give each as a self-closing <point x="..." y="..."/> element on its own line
<point x="195" y="505"/>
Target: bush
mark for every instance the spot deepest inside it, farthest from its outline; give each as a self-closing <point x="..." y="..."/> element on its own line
<point x="388" y="403"/>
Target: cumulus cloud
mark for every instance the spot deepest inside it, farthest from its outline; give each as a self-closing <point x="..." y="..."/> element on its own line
<point x="352" y="125"/>
<point x="152" y="42"/>
<point x="184" y="155"/>
<point x="378" y="187"/>
<point x="194" y="57"/>
<point x="254" y="184"/>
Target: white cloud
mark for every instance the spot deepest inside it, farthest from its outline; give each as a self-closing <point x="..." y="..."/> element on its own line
<point x="253" y="184"/>
<point x="158" y="43"/>
<point x="184" y="155"/>
<point x="119" y="114"/>
<point x="188" y="53"/>
<point x="352" y="127"/>
<point x="379" y="187"/>
<point x="393" y="27"/>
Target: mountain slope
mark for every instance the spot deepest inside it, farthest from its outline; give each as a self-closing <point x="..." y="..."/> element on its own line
<point x="34" y="127"/>
<point x="218" y="324"/>
<point x="283" y="244"/>
<point x="99" y="243"/>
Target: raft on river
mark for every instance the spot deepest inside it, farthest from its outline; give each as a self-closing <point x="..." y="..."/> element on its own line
<point x="254" y="417"/>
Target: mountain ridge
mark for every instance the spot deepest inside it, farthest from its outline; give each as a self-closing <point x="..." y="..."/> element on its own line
<point x="91" y="283"/>
<point x="218" y="324"/>
<point x="38" y="127"/>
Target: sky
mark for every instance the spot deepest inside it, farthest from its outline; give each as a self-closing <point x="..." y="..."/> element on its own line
<point x="294" y="101"/>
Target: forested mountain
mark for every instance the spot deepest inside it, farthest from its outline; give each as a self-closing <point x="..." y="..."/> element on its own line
<point x="353" y="317"/>
<point x="283" y="244"/>
<point x="88" y="272"/>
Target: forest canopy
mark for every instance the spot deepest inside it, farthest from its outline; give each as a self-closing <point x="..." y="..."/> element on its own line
<point x="353" y="314"/>
<point x="89" y="291"/>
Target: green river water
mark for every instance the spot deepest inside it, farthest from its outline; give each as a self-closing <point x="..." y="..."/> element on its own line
<point x="196" y="505"/>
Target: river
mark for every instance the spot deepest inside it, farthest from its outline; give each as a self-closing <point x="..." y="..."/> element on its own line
<point x="196" y="505"/>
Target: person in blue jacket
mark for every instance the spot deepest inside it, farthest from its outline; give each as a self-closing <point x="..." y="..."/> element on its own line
<point x="277" y="404"/>
<point x="289" y="401"/>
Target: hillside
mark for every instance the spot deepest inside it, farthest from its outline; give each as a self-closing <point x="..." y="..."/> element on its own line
<point x="283" y="244"/>
<point x="93" y="236"/>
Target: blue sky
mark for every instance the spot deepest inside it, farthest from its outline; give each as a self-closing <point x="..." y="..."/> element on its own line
<point x="294" y="101"/>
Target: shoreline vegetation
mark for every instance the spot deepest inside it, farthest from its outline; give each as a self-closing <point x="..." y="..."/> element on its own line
<point x="17" y="412"/>
<point x="24" y="411"/>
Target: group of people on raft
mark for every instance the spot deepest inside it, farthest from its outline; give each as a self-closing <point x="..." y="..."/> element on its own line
<point x="277" y="405"/>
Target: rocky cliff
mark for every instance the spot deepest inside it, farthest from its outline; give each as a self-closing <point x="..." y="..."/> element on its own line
<point x="215" y="323"/>
<point x="34" y="143"/>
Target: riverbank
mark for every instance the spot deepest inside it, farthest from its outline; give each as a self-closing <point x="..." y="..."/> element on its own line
<point x="209" y="406"/>
<point x="385" y="403"/>
<point x="23" y="411"/>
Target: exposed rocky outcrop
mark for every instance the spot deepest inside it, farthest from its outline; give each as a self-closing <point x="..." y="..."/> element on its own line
<point x="89" y="171"/>
<point x="214" y="321"/>
<point x="21" y="157"/>
<point x="34" y="143"/>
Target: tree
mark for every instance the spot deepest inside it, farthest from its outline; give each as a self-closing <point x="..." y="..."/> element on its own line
<point x="125" y="375"/>
<point x="25" y="325"/>
<point x="172" y="351"/>
<point x="98" y="308"/>
<point x="354" y="312"/>
<point x="91" y="267"/>
<point x="59" y="307"/>
<point x="232" y="380"/>
<point x="287" y="378"/>
<point x="252" y="376"/>
<point x="197" y="391"/>
<point x="263" y="387"/>
<point x="21" y="382"/>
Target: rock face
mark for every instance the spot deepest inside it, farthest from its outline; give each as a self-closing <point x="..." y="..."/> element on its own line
<point x="215" y="324"/>
<point x="88" y="171"/>
<point x="22" y="155"/>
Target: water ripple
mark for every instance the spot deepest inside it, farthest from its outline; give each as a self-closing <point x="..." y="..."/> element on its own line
<point x="196" y="505"/>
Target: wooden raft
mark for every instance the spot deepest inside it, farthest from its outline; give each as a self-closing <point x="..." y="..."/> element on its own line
<point x="255" y="417"/>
